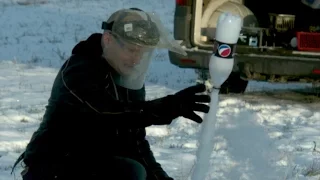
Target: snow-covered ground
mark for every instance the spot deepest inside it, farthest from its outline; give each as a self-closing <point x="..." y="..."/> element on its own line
<point x="259" y="136"/>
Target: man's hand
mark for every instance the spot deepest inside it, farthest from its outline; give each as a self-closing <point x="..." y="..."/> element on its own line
<point x="183" y="103"/>
<point x="169" y="178"/>
<point x="188" y="101"/>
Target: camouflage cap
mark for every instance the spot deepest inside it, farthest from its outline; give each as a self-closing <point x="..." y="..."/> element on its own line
<point x="134" y="26"/>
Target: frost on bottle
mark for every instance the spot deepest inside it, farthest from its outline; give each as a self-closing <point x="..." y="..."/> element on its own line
<point x="220" y="67"/>
<point x="222" y="60"/>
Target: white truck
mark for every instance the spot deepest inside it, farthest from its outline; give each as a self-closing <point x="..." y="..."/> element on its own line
<point x="279" y="42"/>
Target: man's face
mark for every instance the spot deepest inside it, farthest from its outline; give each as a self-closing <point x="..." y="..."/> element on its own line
<point x="125" y="56"/>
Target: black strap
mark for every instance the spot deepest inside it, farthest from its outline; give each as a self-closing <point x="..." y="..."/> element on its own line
<point x="107" y="26"/>
<point x="136" y="9"/>
<point x="17" y="161"/>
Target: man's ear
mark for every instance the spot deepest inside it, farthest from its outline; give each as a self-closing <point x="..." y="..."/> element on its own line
<point x="107" y="38"/>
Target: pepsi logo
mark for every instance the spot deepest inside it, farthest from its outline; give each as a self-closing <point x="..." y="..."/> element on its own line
<point x="224" y="50"/>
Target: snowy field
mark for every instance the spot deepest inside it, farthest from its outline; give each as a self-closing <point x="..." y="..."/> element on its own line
<point x="260" y="135"/>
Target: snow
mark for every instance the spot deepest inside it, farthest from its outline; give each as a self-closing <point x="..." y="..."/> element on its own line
<point x="260" y="135"/>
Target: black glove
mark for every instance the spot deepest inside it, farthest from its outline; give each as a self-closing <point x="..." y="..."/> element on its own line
<point x="169" y="178"/>
<point x="166" y="178"/>
<point x="183" y="103"/>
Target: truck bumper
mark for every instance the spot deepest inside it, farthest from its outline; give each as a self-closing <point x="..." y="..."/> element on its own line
<point x="258" y="66"/>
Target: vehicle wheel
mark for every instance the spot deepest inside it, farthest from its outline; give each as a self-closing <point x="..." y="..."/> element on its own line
<point x="234" y="84"/>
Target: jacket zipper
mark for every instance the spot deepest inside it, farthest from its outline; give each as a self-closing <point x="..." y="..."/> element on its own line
<point x="117" y="96"/>
<point x="139" y="151"/>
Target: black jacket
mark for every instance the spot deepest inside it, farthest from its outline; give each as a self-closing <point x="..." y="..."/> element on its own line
<point x="84" y="121"/>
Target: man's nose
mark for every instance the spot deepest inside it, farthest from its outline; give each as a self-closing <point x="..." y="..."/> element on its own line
<point x="136" y="56"/>
<point x="136" y="60"/>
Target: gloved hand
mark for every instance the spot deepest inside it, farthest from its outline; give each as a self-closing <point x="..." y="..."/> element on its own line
<point x="169" y="178"/>
<point x="183" y="103"/>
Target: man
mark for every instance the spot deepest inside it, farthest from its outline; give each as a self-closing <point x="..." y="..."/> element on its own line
<point x="94" y="124"/>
